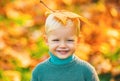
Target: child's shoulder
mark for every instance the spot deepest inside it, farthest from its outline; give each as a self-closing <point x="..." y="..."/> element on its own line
<point x="41" y="65"/>
<point x="87" y="69"/>
<point x="84" y="64"/>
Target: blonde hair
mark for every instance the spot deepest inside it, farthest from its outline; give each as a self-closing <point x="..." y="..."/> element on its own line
<point x="53" y="23"/>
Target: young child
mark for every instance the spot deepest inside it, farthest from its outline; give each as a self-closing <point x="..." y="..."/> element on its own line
<point x="62" y="33"/>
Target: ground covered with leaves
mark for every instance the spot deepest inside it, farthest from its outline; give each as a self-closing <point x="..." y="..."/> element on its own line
<point x="21" y="36"/>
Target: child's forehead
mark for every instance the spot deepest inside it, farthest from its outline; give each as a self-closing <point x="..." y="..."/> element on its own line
<point x="62" y="31"/>
<point x="61" y="35"/>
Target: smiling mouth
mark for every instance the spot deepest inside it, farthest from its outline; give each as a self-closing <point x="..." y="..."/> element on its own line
<point x="63" y="52"/>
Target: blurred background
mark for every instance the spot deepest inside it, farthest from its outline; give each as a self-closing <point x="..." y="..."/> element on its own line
<point x="21" y="36"/>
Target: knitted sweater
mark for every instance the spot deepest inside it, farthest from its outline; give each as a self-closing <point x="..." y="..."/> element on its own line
<point x="76" y="70"/>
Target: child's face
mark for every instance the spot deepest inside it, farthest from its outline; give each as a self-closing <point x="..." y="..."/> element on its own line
<point x="62" y="42"/>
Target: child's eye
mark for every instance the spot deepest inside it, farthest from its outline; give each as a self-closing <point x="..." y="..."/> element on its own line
<point x="70" y="40"/>
<point x="55" y="40"/>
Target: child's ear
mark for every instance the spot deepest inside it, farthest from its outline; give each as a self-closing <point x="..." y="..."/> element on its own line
<point x="45" y="39"/>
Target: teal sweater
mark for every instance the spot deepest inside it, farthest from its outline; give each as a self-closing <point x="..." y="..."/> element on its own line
<point x="74" y="70"/>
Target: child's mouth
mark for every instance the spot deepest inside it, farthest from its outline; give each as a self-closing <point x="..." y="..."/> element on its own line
<point x="63" y="52"/>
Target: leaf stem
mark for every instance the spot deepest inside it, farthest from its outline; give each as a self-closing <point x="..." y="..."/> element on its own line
<point x="46" y="6"/>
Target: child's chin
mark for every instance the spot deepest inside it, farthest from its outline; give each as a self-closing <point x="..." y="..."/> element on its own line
<point x="62" y="55"/>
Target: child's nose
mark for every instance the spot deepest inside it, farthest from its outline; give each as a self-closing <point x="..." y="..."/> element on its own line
<point x="62" y="44"/>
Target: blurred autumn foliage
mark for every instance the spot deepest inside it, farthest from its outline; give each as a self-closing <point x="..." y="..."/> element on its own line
<point x="21" y="36"/>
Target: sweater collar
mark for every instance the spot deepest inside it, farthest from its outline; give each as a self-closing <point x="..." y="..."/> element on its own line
<point x="58" y="61"/>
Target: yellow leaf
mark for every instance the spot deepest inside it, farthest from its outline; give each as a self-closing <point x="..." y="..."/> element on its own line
<point x="63" y="15"/>
<point x="114" y="12"/>
<point x="13" y="75"/>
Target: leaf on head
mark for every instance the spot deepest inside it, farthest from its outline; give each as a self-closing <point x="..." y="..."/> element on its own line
<point x="63" y="15"/>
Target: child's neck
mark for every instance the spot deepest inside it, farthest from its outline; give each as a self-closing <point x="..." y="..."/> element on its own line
<point x="58" y="61"/>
